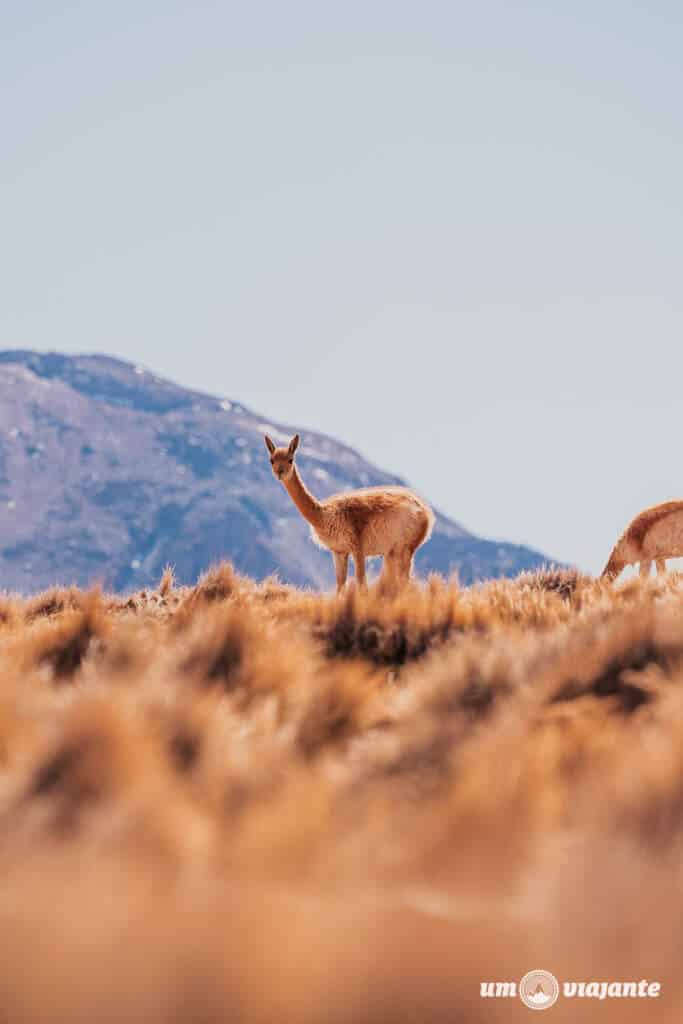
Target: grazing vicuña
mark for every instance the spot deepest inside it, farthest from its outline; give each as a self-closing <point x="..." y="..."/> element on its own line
<point x="653" y="536"/>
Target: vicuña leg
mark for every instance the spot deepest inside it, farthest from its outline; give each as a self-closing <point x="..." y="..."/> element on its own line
<point x="661" y="566"/>
<point x="645" y="567"/>
<point x="359" y="561"/>
<point x="341" y="565"/>
<point x="406" y="564"/>
<point x="391" y="572"/>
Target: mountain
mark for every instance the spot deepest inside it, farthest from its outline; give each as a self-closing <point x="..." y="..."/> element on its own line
<point x="108" y="473"/>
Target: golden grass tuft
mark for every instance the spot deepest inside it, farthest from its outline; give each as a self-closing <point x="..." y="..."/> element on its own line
<point x="245" y="801"/>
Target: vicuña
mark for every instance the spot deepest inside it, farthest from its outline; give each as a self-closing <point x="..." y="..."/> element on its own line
<point x="653" y="536"/>
<point x="388" y="521"/>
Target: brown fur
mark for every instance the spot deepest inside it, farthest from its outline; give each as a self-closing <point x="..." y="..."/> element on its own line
<point x="388" y="521"/>
<point x="637" y="530"/>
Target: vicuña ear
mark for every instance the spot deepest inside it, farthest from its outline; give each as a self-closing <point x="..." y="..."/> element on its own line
<point x="269" y="444"/>
<point x="294" y="444"/>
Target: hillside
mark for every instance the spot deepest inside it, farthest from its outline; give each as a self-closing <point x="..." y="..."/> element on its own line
<point x="108" y="473"/>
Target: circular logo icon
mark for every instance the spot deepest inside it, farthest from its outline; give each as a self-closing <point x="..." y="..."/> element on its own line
<point x="539" y="990"/>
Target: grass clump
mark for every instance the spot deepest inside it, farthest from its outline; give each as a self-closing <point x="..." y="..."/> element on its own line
<point x="258" y="803"/>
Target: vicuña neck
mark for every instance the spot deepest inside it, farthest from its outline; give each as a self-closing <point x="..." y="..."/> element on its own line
<point x="309" y="506"/>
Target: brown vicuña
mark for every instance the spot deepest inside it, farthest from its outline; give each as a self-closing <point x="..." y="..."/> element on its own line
<point x="653" y="536"/>
<point x="388" y="521"/>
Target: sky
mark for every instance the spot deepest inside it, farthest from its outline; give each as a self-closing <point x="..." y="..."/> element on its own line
<point x="448" y="234"/>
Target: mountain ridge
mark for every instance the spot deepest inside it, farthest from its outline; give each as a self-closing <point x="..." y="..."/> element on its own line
<point x="109" y="471"/>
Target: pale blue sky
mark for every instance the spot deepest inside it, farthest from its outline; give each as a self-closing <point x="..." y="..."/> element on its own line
<point x="449" y="234"/>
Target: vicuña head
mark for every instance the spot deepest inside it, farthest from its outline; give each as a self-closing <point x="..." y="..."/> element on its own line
<point x="614" y="567"/>
<point x="388" y="521"/>
<point x="282" y="459"/>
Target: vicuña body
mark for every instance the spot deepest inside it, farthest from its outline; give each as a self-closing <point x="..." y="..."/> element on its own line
<point x="388" y="521"/>
<point x="653" y="536"/>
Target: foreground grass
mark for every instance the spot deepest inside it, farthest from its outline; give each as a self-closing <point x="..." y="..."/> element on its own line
<point x="251" y="803"/>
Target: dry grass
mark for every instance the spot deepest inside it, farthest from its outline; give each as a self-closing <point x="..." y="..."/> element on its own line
<point x="247" y="802"/>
